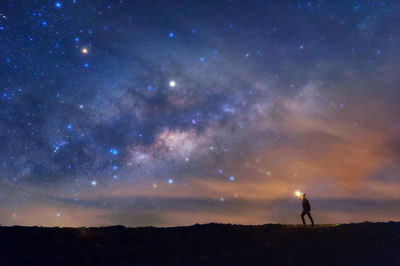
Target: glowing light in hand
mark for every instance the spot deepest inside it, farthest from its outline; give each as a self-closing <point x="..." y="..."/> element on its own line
<point x="298" y="193"/>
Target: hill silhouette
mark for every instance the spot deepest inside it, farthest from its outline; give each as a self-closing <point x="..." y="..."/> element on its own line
<point x="209" y="244"/>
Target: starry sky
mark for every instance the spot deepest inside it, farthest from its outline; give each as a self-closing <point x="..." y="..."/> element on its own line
<point x="169" y="113"/>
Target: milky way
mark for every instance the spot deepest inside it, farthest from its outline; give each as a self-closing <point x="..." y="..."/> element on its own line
<point x="180" y="112"/>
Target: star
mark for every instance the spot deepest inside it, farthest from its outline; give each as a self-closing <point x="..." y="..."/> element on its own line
<point x="114" y="151"/>
<point x="84" y="50"/>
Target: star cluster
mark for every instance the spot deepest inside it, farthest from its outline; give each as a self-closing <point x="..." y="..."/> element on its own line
<point x="180" y="112"/>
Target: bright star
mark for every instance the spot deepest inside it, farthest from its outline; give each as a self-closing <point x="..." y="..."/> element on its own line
<point x="172" y="83"/>
<point x="114" y="151"/>
<point x="84" y="50"/>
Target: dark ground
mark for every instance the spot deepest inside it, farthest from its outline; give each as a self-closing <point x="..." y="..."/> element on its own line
<point x="210" y="244"/>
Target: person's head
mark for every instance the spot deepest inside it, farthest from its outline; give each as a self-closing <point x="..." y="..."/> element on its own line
<point x="303" y="196"/>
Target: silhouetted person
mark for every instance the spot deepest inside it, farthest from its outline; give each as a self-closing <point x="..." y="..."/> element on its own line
<point x="306" y="209"/>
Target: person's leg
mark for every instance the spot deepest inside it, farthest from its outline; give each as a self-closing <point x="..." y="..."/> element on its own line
<point x="311" y="219"/>
<point x="302" y="217"/>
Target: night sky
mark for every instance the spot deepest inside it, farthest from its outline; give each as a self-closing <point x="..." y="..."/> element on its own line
<point x="171" y="113"/>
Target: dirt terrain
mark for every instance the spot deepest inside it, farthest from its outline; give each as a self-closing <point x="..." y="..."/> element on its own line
<point x="209" y="244"/>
